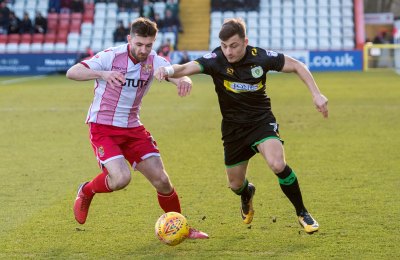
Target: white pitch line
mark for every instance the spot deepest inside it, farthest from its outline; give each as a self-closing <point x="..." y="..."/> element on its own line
<point x="19" y="80"/>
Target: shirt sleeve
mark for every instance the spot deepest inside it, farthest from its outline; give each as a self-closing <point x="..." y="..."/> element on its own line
<point x="274" y="60"/>
<point x="100" y="61"/>
<point x="206" y="62"/>
<point x="160" y="62"/>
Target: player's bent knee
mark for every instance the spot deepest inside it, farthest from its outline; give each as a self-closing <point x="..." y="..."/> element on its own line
<point x="125" y="180"/>
<point x="235" y="184"/>
<point x="277" y="166"/>
<point x="162" y="182"/>
<point x="120" y="181"/>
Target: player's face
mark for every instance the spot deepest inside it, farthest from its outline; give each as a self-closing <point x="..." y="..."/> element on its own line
<point x="234" y="48"/>
<point x="140" y="46"/>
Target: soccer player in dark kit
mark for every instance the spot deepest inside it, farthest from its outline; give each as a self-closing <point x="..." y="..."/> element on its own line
<point x="248" y="124"/>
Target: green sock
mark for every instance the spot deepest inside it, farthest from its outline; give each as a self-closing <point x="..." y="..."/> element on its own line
<point x="243" y="190"/>
<point x="290" y="187"/>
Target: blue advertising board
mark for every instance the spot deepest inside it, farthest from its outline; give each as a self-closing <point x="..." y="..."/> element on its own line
<point x="315" y="60"/>
<point x="35" y="64"/>
<point x="335" y="60"/>
<point x="43" y="64"/>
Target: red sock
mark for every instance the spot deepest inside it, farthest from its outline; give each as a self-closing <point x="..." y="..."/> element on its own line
<point x="169" y="202"/>
<point x="97" y="185"/>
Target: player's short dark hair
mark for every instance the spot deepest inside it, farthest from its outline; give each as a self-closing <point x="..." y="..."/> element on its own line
<point x="143" y="27"/>
<point x="231" y="27"/>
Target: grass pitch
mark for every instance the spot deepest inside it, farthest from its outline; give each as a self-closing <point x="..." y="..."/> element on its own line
<point x="348" y="168"/>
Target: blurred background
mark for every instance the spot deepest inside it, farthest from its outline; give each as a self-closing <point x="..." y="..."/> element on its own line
<point x="48" y="36"/>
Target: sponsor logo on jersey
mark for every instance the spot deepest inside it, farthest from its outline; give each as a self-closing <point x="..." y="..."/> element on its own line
<point x="272" y="54"/>
<point x="254" y="52"/>
<point x="229" y="71"/>
<point x="120" y="69"/>
<point x="210" y="55"/>
<point x="257" y="72"/>
<point x="135" y="83"/>
<point x="241" y="87"/>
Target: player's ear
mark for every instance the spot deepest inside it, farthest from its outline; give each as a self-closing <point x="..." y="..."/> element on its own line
<point x="246" y="41"/>
<point x="128" y="37"/>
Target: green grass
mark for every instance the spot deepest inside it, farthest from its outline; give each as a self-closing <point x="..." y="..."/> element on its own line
<point x="348" y="167"/>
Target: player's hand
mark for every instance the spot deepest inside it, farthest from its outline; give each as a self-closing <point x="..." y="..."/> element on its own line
<point x="321" y="103"/>
<point x="184" y="87"/>
<point x="114" y="78"/>
<point x="160" y="74"/>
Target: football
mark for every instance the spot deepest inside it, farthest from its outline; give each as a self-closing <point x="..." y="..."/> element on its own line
<point x="172" y="228"/>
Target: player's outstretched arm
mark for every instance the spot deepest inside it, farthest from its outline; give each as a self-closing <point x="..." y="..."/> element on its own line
<point x="177" y="71"/>
<point x="320" y="101"/>
<point x="80" y="73"/>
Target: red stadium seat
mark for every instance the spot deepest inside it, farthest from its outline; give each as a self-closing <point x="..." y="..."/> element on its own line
<point x="14" y="38"/>
<point x="64" y="16"/>
<point x="75" y="26"/>
<point x="38" y="38"/>
<point x="52" y="16"/>
<point x="62" y="36"/>
<point x="50" y="38"/>
<point x="26" y="38"/>
<point x="52" y="22"/>
<point x="52" y="30"/>
<point x="76" y="17"/>
<point x="52" y="25"/>
<point x="63" y="24"/>
<point x="88" y="16"/>
<point x="3" y="38"/>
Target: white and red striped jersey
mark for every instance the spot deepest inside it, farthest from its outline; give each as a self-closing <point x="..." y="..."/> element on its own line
<point x="120" y="106"/>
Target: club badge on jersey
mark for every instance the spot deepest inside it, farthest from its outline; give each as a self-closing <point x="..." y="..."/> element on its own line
<point x="100" y="151"/>
<point x="147" y="68"/>
<point x="257" y="72"/>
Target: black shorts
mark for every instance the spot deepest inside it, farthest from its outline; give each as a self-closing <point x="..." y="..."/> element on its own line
<point x="240" y="141"/>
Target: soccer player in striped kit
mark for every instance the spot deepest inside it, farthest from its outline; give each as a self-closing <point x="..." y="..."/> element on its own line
<point x="123" y="75"/>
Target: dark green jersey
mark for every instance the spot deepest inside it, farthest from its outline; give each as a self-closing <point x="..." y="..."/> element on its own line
<point x="241" y="86"/>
